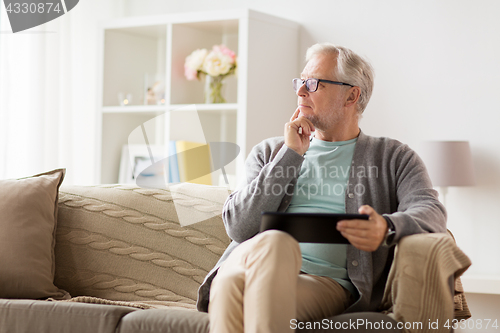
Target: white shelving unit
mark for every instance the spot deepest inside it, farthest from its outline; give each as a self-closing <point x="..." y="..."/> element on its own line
<point x="138" y="51"/>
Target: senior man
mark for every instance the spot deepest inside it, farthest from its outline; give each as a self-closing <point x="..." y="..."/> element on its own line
<point x="263" y="281"/>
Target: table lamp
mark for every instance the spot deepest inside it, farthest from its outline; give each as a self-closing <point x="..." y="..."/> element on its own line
<point x="449" y="164"/>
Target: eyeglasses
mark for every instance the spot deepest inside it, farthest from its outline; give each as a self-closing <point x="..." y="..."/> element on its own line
<point x="312" y="84"/>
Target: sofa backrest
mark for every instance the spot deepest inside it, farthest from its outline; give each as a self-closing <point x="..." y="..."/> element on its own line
<point x="125" y="243"/>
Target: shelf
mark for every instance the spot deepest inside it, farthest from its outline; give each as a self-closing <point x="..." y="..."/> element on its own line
<point x="134" y="63"/>
<point x="158" y="109"/>
<point x="195" y="17"/>
<point x="208" y="107"/>
<point x="154" y="109"/>
<point x="481" y="284"/>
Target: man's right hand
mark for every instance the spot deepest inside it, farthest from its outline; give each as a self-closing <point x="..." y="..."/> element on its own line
<point x="295" y="140"/>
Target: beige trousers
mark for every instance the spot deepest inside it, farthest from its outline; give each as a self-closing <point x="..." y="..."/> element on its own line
<point x="253" y="291"/>
<point x="259" y="288"/>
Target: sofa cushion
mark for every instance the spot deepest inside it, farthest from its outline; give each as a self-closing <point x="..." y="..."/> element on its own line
<point x="27" y="316"/>
<point x="28" y="218"/>
<point x="164" y="321"/>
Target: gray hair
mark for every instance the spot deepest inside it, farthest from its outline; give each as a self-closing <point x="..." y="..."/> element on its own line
<point x="351" y="68"/>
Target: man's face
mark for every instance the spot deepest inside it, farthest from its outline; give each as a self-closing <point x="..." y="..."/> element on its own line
<point x="324" y="107"/>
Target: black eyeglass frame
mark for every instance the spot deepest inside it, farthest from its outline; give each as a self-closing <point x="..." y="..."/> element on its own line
<point x="317" y="85"/>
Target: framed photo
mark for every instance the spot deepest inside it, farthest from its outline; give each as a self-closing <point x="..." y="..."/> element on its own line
<point x="136" y="159"/>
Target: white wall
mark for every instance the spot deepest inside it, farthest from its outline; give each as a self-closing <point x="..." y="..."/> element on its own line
<point x="48" y="94"/>
<point x="437" y="75"/>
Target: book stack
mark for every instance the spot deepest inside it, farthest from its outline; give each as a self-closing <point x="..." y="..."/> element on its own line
<point x="189" y="162"/>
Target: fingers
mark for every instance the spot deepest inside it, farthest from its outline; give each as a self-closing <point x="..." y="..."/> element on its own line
<point x="300" y="127"/>
<point x="354" y="230"/>
<point x="365" y="209"/>
<point x="295" y="114"/>
<point x="297" y="132"/>
<point x="346" y="225"/>
<point x="361" y="243"/>
<point x="360" y="238"/>
<point x="304" y="129"/>
<point x="299" y="122"/>
<point x="366" y="235"/>
<point x="304" y="123"/>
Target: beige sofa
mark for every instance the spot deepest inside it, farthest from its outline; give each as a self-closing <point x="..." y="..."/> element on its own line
<point x="123" y="246"/>
<point x="127" y="263"/>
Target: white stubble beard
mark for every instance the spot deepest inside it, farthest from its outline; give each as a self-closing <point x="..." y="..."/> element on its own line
<point x="333" y="118"/>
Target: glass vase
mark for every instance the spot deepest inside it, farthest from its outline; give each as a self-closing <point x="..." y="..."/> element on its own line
<point x="213" y="89"/>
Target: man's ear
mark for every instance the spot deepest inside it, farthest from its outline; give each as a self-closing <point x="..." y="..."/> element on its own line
<point x="352" y="96"/>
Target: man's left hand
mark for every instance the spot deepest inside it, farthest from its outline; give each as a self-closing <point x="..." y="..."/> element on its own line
<point x="365" y="235"/>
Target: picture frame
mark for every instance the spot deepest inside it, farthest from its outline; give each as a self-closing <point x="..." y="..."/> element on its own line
<point x="136" y="158"/>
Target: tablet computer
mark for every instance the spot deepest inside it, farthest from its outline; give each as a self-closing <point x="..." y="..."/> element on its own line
<point x="308" y="227"/>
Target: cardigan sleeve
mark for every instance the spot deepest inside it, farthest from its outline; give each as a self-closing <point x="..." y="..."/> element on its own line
<point x="271" y="168"/>
<point x="418" y="207"/>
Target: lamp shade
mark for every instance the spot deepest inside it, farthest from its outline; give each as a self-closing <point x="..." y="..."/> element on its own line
<point x="449" y="162"/>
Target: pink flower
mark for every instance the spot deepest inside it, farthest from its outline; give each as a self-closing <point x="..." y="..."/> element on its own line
<point x="226" y="51"/>
<point x="190" y="73"/>
<point x="220" y="61"/>
<point x="194" y="63"/>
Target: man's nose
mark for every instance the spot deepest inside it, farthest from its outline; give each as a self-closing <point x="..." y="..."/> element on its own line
<point x="302" y="91"/>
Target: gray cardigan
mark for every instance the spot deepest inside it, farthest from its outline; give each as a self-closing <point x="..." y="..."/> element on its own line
<point x="385" y="174"/>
